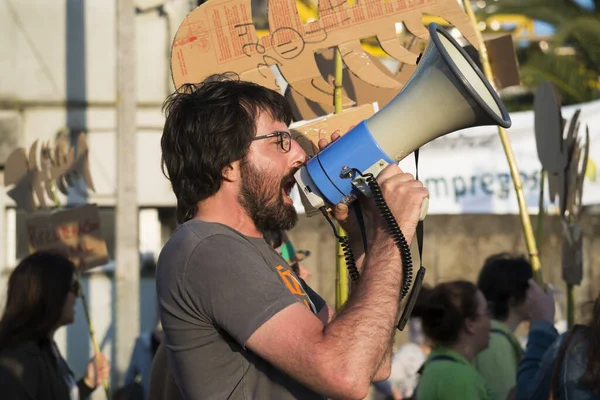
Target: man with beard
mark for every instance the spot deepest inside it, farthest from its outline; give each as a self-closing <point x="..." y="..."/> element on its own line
<point x="238" y="324"/>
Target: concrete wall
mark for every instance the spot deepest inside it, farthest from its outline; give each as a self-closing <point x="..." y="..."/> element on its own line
<point x="455" y="247"/>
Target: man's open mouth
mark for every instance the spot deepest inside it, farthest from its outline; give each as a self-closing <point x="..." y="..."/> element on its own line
<point x="288" y="185"/>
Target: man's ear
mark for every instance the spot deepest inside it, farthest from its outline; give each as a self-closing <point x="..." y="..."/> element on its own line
<point x="231" y="172"/>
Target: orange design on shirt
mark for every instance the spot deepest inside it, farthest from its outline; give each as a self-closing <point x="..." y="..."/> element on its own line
<point x="292" y="284"/>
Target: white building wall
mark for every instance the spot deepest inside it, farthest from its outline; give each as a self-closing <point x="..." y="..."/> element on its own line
<point x="42" y="71"/>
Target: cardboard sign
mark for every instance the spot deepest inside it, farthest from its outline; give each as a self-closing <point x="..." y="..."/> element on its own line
<point x="363" y="91"/>
<point x="307" y="134"/>
<point x="563" y="156"/>
<point x="74" y="232"/>
<point x="220" y="36"/>
<point x="56" y="169"/>
<point x="359" y="90"/>
<point x="503" y="61"/>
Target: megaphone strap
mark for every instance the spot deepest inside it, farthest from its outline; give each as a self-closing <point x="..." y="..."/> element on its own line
<point x="420" y="226"/>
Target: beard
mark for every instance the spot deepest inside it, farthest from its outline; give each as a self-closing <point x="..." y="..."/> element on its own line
<point x="261" y="196"/>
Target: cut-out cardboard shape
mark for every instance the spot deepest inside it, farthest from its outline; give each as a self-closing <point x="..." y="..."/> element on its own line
<point x="364" y="91"/>
<point x="564" y="154"/>
<point x="219" y="36"/>
<point x="32" y="179"/>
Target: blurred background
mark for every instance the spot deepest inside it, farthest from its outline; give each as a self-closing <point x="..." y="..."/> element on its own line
<point x="59" y="64"/>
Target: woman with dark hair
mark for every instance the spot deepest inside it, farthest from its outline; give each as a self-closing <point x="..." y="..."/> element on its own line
<point x="456" y="319"/>
<point x="409" y="357"/>
<point x="559" y="367"/>
<point x="41" y="296"/>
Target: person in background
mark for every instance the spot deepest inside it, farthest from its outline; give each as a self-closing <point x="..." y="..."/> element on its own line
<point x="300" y="269"/>
<point x="280" y="241"/>
<point x="503" y="281"/>
<point x="385" y="389"/>
<point x="41" y="296"/>
<point x="138" y="372"/>
<point x="554" y="366"/>
<point x="456" y="318"/>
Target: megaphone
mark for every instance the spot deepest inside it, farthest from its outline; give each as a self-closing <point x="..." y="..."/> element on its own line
<point x="446" y="93"/>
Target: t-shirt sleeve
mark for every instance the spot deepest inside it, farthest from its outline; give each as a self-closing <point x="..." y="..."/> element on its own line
<point x="317" y="300"/>
<point x="231" y="283"/>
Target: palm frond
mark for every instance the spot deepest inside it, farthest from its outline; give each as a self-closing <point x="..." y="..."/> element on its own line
<point x="553" y="12"/>
<point x="574" y="82"/>
<point x="585" y="31"/>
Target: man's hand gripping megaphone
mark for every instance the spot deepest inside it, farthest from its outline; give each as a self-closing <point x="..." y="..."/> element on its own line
<point x="406" y="197"/>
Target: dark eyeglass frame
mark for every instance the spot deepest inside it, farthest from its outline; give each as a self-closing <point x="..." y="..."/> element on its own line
<point x="282" y="139"/>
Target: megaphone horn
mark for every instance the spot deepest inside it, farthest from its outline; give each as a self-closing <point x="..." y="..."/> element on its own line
<point x="446" y="93"/>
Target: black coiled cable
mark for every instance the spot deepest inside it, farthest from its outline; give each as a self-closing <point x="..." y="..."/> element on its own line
<point x="393" y="230"/>
<point x="349" y="257"/>
<point x="345" y="244"/>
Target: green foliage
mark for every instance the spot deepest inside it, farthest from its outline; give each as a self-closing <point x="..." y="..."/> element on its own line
<point x="574" y="75"/>
<point x="575" y="83"/>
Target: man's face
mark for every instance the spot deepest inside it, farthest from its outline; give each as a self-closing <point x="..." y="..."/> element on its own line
<point x="268" y="178"/>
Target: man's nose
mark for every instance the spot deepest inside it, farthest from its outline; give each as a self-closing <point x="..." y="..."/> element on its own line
<point x="298" y="154"/>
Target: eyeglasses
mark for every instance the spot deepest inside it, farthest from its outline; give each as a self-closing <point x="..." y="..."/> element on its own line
<point x="486" y="313"/>
<point x="284" y="142"/>
<point x="75" y="288"/>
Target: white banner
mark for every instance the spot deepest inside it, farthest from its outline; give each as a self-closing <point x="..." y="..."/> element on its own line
<point x="467" y="172"/>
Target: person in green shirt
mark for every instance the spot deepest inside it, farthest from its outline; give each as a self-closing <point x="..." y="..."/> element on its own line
<point x="456" y="318"/>
<point x="503" y="281"/>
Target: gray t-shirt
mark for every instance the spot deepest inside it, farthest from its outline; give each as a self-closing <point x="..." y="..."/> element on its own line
<point x="215" y="288"/>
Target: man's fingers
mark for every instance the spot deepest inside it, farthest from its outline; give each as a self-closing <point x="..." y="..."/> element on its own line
<point x="341" y="212"/>
<point x="389" y="171"/>
<point x="322" y="143"/>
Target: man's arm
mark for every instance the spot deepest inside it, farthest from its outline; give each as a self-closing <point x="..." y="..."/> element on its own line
<point x="355" y="235"/>
<point x="342" y="359"/>
<point x="327" y="313"/>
